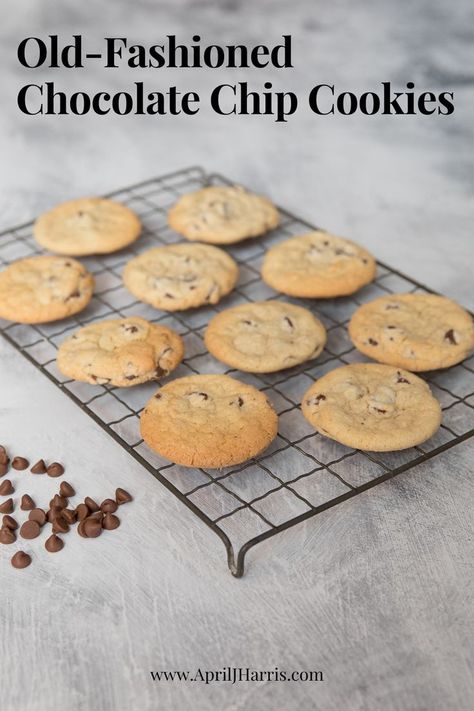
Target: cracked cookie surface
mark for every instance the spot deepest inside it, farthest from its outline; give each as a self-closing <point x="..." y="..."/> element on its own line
<point x="222" y="215"/>
<point x="87" y="226"/>
<point x="318" y="265"/>
<point x="181" y="276"/>
<point x="265" y="336"/>
<point x="121" y="352"/>
<point x="208" y="421"/>
<point x="414" y="331"/>
<point x="372" y="407"/>
<point x="41" y="289"/>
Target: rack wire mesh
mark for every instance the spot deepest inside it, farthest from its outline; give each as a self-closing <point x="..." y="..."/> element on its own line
<point x="302" y="473"/>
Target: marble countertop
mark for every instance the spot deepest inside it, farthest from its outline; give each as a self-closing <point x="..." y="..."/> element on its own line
<point x="374" y="592"/>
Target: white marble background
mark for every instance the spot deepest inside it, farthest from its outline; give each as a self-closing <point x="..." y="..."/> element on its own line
<point x="377" y="592"/>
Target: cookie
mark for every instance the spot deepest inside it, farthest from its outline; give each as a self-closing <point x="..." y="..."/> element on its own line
<point x="265" y="336"/>
<point x="181" y="276"/>
<point x="208" y="421"/>
<point x="121" y="352"/>
<point x="373" y="407"/>
<point x="413" y="331"/>
<point x="318" y="265"/>
<point x="42" y="289"/>
<point x="87" y="226"/>
<point x="222" y="215"/>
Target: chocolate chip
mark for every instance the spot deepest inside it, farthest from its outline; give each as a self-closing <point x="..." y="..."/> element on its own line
<point x="74" y="295"/>
<point x="6" y="488"/>
<point x="66" y="489"/>
<point x="315" y="400"/>
<point x="169" y="296"/>
<point x="108" y="506"/>
<point x="288" y="321"/>
<point x="131" y="377"/>
<point x="240" y="402"/>
<point x="377" y="409"/>
<point x="55" y="469"/>
<point x="53" y="544"/>
<point x="372" y="342"/>
<point x="82" y="512"/>
<point x="122" y="496"/>
<point x="70" y="516"/>
<point x="110" y="522"/>
<point x="39" y="467"/>
<point x="92" y="527"/>
<point x="390" y="326"/>
<point x="204" y="396"/>
<point x="157" y="396"/>
<point x="450" y="336"/>
<point x="60" y="525"/>
<point x="9" y="522"/>
<point x="80" y="529"/>
<point x="54" y="512"/>
<point x="389" y="307"/>
<point x="37" y="515"/>
<point x="401" y="379"/>
<point x="58" y="501"/>
<point x="7" y="506"/>
<point x="129" y="328"/>
<point x="20" y="463"/>
<point x="30" y="529"/>
<point x="91" y="504"/>
<point x="27" y="503"/>
<point x="4" y="467"/>
<point x="159" y="372"/>
<point x="97" y="516"/>
<point x="7" y="536"/>
<point x="3" y="455"/>
<point x="21" y="560"/>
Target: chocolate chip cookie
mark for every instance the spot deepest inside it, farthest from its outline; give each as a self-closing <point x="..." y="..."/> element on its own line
<point x="87" y="226"/>
<point x="318" y="265"/>
<point x="120" y="352"/>
<point x="181" y="276"/>
<point x="413" y="331"/>
<point x="265" y="336"/>
<point x="42" y="289"/>
<point x="222" y="215"/>
<point x="208" y="421"/>
<point x="373" y="407"/>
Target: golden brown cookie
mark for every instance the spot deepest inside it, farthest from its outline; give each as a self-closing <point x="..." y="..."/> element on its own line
<point x="318" y="265"/>
<point x="373" y="407"/>
<point x="413" y="331"/>
<point x="120" y="352"/>
<point x="208" y="421"/>
<point x="222" y="215"/>
<point x="42" y="289"/>
<point x="87" y="226"/>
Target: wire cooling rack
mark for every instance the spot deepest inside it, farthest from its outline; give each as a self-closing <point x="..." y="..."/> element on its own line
<point x="302" y="473"/>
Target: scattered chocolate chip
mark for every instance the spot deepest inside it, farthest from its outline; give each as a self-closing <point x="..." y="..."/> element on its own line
<point x="110" y="522"/>
<point x="92" y="527"/>
<point x="122" y="496"/>
<point x="9" y="522"/>
<point x="240" y="402"/>
<point x="55" y="469"/>
<point x="159" y="372"/>
<point x="20" y="463"/>
<point x="53" y="544"/>
<point x="390" y="326"/>
<point x="66" y="489"/>
<point x="97" y="515"/>
<point x="80" y="529"/>
<point x="30" y="529"/>
<point x="74" y="295"/>
<point x="389" y="307"/>
<point x="39" y="467"/>
<point x="372" y="342"/>
<point x="169" y="296"/>
<point x="4" y="468"/>
<point x="54" y="512"/>
<point x="204" y="396"/>
<point x="401" y="379"/>
<point x="70" y="516"/>
<point x="7" y="536"/>
<point x="108" y="506"/>
<point x="91" y="504"/>
<point x="27" y="503"/>
<point x="7" y="506"/>
<point x="60" y="525"/>
<point x="157" y="396"/>
<point x="58" y="501"/>
<point x="82" y="512"/>
<point x="288" y="321"/>
<point x="21" y="560"/>
<point x="378" y="409"/>
<point x="37" y="515"/>
<point x="130" y="328"/>
<point x="315" y="400"/>
<point x="131" y="377"/>
<point x="6" y="488"/>
<point x="3" y="455"/>
<point x="449" y="336"/>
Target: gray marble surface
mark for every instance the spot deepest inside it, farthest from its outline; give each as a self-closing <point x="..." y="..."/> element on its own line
<point x="377" y="592"/>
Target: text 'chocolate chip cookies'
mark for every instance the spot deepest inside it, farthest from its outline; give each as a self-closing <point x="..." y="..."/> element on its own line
<point x="208" y="421"/>
<point x="181" y="276"/>
<point x="87" y="226"/>
<point x="121" y="352"/>
<point x="222" y="215"/>
<point x="414" y="331"/>
<point x="372" y="407"/>
<point x="318" y="265"/>
<point x="265" y="336"/>
<point x="42" y="289"/>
